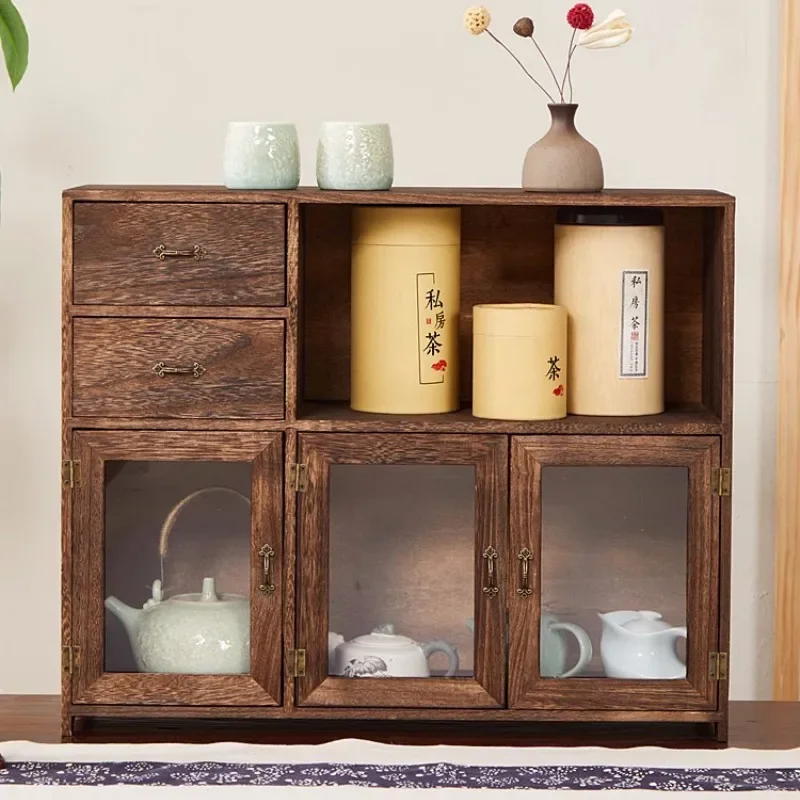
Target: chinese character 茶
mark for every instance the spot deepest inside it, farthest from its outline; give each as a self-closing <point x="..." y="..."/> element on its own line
<point x="554" y="370"/>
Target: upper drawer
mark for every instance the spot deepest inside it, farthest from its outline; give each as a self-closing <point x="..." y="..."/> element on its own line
<point x="241" y="248"/>
<point x="212" y="368"/>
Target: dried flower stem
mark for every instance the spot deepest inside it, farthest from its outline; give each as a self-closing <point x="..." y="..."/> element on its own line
<point x="522" y="66"/>
<point x="559" y="89"/>
<point x="568" y="71"/>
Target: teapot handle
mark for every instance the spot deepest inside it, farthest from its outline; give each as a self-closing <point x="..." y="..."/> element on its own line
<point x="440" y="646"/>
<point x="584" y="643"/>
<point x="172" y="517"/>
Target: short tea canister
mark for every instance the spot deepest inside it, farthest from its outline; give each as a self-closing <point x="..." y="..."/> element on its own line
<point x="519" y="361"/>
<point x="406" y="271"/>
<point x="609" y="276"/>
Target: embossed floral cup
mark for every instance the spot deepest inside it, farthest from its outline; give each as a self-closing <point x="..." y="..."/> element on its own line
<point x="355" y="156"/>
<point x="261" y="155"/>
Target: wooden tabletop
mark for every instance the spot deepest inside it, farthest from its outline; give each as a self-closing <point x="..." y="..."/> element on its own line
<point x="762" y="726"/>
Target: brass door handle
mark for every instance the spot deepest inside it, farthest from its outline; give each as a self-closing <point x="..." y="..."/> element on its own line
<point x="525" y="557"/>
<point x="196" y="370"/>
<point x="490" y="557"/>
<point x="266" y="553"/>
<point x="162" y="252"/>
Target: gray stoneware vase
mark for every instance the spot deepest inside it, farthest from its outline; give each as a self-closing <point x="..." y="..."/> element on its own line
<point x="562" y="160"/>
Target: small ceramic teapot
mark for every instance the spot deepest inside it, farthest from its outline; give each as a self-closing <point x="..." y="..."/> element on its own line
<point x="189" y="634"/>
<point x="640" y="645"/>
<point x="384" y="654"/>
<point x="553" y="648"/>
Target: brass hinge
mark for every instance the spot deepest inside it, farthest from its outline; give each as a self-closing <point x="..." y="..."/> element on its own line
<point x="297" y="663"/>
<point x="71" y="659"/>
<point x="71" y="474"/>
<point x="722" y="482"/>
<point x="718" y="666"/>
<point x="298" y="477"/>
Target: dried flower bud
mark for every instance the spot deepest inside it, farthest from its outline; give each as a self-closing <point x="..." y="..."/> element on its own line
<point x="477" y="20"/>
<point x="524" y="27"/>
<point x="580" y="17"/>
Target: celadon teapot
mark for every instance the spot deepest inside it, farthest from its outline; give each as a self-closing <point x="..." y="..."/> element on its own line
<point x="385" y="654"/>
<point x="640" y="645"/>
<point x="204" y="633"/>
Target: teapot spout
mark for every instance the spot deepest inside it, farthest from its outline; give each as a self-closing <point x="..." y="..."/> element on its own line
<point x="128" y="616"/>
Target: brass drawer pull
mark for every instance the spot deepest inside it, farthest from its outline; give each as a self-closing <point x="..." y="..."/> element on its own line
<point x="162" y="252"/>
<point x="490" y="556"/>
<point x="525" y="557"/>
<point x="266" y="553"/>
<point x="196" y="370"/>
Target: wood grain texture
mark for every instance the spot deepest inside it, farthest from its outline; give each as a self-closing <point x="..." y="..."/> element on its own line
<point x="114" y="361"/>
<point x="787" y="544"/>
<point x="181" y="312"/>
<point x="754" y="726"/>
<point x="293" y="238"/>
<point x="92" y="683"/>
<point x="115" y="265"/>
<point x="339" y="417"/>
<point x="290" y="570"/>
<point x="319" y="451"/>
<point x="677" y="198"/>
<point x="66" y="454"/>
<point x="529" y="456"/>
<point x="507" y="256"/>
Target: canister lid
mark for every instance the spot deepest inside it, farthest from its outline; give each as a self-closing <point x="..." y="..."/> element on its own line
<point x="515" y="319"/>
<point x="602" y="215"/>
<point x="401" y="225"/>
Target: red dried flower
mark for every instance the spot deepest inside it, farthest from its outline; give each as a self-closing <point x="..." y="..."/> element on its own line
<point x="581" y="16"/>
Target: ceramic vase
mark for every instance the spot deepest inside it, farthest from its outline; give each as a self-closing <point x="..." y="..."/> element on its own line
<point x="562" y="160"/>
<point x="261" y="155"/>
<point x="355" y="156"/>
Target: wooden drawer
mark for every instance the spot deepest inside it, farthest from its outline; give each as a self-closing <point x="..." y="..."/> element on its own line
<point x="240" y="372"/>
<point x="242" y="259"/>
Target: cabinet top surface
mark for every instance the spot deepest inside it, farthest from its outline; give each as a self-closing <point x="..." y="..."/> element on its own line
<point x="400" y="195"/>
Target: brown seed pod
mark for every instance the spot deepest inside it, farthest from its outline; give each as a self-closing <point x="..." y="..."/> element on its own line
<point x="524" y="27"/>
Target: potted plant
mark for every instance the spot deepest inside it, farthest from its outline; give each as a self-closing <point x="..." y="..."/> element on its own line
<point x="562" y="160"/>
<point x="14" y="40"/>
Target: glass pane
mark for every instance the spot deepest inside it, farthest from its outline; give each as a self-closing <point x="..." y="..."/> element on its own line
<point x="402" y="556"/>
<point x="197" y="628"/>
<point x="614" y="544"/>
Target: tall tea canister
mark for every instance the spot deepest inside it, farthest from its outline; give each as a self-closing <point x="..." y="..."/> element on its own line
<point x="519" y="361"/>
<point x="406" y="270"/>
<point x="609" y="276"/>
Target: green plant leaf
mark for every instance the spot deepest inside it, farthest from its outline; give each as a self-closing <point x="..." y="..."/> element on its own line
<point x="14" y="38"/>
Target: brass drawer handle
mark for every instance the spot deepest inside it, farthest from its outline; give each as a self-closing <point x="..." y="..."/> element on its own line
<point x="196" y="370"/>
<point x="266" y="553"/>
<point x="525" y="557"/>
<point x="490" y="556"/>
<point x="162" y="252"/>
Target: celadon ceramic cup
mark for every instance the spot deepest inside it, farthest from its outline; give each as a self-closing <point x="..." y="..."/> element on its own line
<point x="355" y="156"/>
<point x="261" y="155"/>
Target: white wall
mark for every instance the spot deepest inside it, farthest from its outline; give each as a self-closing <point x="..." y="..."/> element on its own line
<point x="140" y="91"/>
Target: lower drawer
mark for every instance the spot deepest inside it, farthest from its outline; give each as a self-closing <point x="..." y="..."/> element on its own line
<point x="209" y="368"/>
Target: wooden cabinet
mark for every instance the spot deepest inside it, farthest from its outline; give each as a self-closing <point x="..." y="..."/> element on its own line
<point x="205" y="393"/>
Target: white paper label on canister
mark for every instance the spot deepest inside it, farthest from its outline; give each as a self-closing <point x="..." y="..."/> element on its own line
<point x="633" y="330"/>
<point x="431" y="325"/>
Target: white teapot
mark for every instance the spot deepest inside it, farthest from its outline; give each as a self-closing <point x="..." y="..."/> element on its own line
<point x="385" y="654"/>
<point x="189" y="634"/>
<point x="638" y="645"/>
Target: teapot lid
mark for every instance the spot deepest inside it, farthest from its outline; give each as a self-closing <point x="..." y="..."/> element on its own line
<point x="208" y="595"/>
<point x="647" y="622"/>
<point x="384" y="636"/>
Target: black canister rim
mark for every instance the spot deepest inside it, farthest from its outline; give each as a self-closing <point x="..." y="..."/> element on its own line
<point x="603" y="215"/>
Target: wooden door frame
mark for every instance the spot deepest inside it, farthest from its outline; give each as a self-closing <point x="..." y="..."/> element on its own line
<point x="701" y="455"/>
<point x="787" y="543"/>
<point x="92" y="684"/>
<point x="489" y="455"/>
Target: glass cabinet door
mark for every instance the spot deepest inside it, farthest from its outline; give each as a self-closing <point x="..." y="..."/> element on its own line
<point x="178" y="568"/>
<point x="401" y="591"/>
<point x="615" y="602"/>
